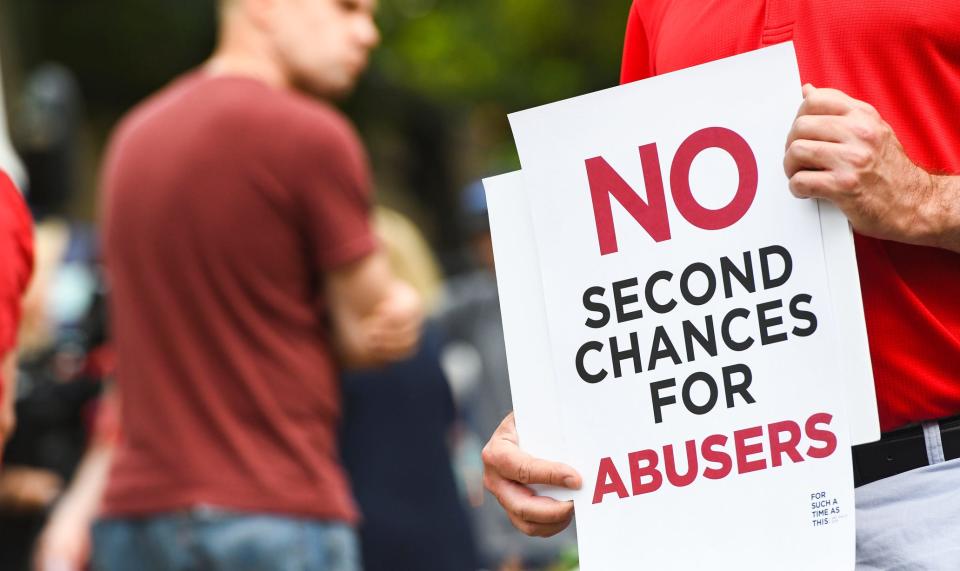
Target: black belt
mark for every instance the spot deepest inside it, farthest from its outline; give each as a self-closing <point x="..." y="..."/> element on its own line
<point x="902" y="450"/>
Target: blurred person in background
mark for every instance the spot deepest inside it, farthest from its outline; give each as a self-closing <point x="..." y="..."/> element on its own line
<point x="16" y="266"/>
<point x="475" y="356"/>
<point x="395" y="437"/>
<point x="62" y="358"/>
<point x="65" y="542"/>
<point x="244" y="276"/>
<point x="58" y="399"/>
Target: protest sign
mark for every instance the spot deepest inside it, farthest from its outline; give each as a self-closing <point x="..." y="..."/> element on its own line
<point x="691" y="328"/>
<point x="534" y="393"/>
<point x="525" y="321"/>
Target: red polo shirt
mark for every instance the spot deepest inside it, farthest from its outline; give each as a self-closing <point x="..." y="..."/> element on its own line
<point x="16" y="262"/>
<point x="903" y="57"/>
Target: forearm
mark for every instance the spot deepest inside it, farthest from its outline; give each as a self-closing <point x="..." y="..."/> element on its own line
<point x="81" y="502"/>
<point x="353" y="295"/>
<point x="375" y="317"/>
<point x="943" y="213"/>
<point x="65" y="540"/>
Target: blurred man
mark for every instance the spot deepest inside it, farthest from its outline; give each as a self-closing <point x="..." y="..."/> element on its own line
<point x="244" y="274"/>
<point x="875" y="141"/>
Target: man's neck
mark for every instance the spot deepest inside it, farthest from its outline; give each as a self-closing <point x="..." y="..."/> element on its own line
<point x="231" y="64"/>
<point x="243" y="51"/>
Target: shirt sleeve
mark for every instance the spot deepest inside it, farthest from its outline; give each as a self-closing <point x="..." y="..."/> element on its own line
<point x="16" y="260"/>
<point x="336" y="195"/>
<point x="636" y="50"/>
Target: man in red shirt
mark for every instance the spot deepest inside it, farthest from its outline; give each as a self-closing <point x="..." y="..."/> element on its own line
<point x="244" y="274"/>
<point x="876" y="137"/>
<point x="16" y="266"/>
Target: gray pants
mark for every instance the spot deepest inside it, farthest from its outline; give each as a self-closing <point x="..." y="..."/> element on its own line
<point x="911" y="521"/>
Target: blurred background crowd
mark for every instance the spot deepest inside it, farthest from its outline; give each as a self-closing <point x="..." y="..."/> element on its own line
<point x="432" y="112"/>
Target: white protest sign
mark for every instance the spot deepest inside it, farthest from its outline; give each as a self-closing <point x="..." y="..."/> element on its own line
<point x="526" y="334"/>
<point x="535" y="400"/>
<point x="841" y="259"/>
<point x="690" y="323"/>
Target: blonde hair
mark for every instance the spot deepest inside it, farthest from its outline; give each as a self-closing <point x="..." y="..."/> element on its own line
<point x="409" y="254"/>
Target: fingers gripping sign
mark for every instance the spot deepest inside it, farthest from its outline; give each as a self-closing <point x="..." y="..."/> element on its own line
<point x="508" y="471"/>
<point x="840" y="149"/>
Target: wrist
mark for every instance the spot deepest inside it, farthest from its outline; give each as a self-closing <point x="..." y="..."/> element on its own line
<point x="941" y="213"/>
<point x="73" y="512"/>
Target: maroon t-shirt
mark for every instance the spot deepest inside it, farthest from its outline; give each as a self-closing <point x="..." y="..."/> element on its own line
<point x="226" y="201"/>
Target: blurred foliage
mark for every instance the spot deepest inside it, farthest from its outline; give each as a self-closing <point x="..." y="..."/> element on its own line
<point x="472" y="62"/>
<point x="120" y="50"/>
<point x="517" y="52"/>
<point x="432" y="107"/>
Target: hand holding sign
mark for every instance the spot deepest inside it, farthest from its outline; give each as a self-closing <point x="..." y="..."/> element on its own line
<point x="840" y="149"/>
<point x="506" y="471"/>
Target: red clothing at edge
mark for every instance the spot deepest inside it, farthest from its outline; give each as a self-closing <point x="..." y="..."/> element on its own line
<point x="226" y="201"/>
<point x="16" y="262"/>
<point x="903" y="57"/>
